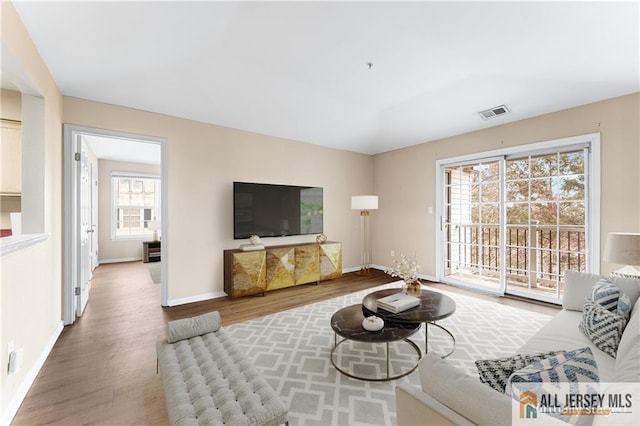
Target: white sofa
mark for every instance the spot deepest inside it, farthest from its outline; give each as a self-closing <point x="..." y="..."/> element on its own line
<point x="450" y="396"/>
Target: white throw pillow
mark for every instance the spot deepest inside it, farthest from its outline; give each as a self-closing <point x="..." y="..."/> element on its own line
<point x="577" y="287"/>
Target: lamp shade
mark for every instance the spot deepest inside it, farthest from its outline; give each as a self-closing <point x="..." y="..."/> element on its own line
<point x="622" y="248"/>
<point x="364" y="202"/>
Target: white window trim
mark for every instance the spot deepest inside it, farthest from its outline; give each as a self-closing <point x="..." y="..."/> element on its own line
<point x="112" y="206"/>
<point x="593" y="182"/>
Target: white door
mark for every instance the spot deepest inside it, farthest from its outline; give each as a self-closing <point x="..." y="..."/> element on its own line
<point x="94" y="215"/>
<point x="85" y="232"/>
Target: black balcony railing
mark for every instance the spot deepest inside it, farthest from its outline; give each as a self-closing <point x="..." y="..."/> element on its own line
<point x="536" y="256"/>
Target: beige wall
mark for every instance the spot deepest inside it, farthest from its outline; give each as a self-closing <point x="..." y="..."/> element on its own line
<point x="31" y="289"/>
<point x="116" y="250"/>
<point x="405" y="179"/>
<point x="202" y="162"/>
<point x="10" y="105"/>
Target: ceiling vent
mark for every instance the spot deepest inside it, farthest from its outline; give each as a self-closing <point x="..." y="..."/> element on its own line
<point x="494" y="112"/>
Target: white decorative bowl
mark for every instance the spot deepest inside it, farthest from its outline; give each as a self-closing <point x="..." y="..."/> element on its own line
<point x="373" y="323"/>
<point x="321" y="239"/>
<point x="254" y="239"/>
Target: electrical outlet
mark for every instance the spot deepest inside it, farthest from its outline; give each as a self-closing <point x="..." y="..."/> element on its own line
<point x="393" y="253"/>
<point x="430" y="210"/>
<point x="15" y="360"/>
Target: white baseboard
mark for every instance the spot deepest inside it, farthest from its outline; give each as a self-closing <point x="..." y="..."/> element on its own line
<point x="198" y="298"/>
<point x="123" y="259"/>
<point x="14" y="405"/>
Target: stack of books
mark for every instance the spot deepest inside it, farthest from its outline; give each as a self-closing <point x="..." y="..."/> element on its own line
<point x="398" y="302"/>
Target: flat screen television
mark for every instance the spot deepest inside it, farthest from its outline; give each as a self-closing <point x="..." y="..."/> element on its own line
<point x="276" y="210"/>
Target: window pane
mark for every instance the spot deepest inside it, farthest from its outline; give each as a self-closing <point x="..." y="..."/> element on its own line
<point x="491" y="192"/>
<point x="545" y="165"/>
<point x="541" y="189"/>
<point x="518" y="190"/>
<point x="136" y="186"/>
<point x="491" y="213"/>
<point x="123" y="185"/>
<point x="517" y="213"/>
<point x="571" y="163"/>
<point x="545" y="213"/>
<point x="568" y="187"/>
<point x="490" y="172"/>
<point x="572" y="213"/>
<point x="149" y="185"/>
<point x="518" y="169"/>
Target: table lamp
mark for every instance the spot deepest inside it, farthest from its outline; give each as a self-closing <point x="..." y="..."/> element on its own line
<point x="623" y="248"/>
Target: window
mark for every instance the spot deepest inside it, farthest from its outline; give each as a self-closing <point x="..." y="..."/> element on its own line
<point x="136" y="204"/>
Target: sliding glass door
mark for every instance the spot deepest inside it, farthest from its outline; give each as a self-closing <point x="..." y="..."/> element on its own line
<point x="546" y="216"/>
<point x="471" y="228"/>
<point x="514" y="224"/>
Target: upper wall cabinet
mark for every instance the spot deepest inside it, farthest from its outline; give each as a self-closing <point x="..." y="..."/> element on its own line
<point x="11" y="158"/>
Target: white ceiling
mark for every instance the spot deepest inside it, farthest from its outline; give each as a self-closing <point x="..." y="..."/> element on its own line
<point x="299" y="69"/>
<point x="117" y="149"/>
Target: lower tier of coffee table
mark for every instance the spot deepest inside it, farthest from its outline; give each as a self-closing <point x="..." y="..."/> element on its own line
<point x="388" y="375"/>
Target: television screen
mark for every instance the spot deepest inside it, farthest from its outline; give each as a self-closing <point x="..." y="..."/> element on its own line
<point x="275" y="210"/>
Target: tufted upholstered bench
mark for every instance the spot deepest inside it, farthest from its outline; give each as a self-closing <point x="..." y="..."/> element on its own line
<point x="208" y="381"/>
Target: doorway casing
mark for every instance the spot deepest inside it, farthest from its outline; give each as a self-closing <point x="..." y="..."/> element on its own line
<point x="71" y="198"/>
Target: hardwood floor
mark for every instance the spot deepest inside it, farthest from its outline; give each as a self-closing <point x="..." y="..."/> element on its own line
<point x="102" y="370"/>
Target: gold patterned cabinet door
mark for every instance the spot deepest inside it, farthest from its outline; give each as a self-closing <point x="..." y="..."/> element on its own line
<point x="249" y="273"/>
<point x="307" y="264"/>
<point x="330" y="260"/>
<point x="280" y="267"/>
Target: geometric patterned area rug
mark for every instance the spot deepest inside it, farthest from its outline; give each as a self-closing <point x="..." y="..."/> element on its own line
<point x="292" y="350"/>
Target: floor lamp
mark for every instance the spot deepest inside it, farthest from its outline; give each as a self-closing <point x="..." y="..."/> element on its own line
<point x="623" y="249"/>
<point x="364" y="203"/>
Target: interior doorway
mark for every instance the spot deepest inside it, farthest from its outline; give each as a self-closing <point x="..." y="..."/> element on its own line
<point x="83" y="148"/>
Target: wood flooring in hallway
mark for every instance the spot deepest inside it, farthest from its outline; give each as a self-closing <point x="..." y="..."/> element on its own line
<point x="102" y="369"/>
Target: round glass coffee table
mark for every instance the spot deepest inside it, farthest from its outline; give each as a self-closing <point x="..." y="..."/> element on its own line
<point x="433" y="307"/>
<point x="347" y="323"/>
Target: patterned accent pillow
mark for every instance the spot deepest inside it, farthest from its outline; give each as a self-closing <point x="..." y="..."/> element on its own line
<point x="496" y="372"/>
<point x="603" y="327"/>
<point x="611" y="297"/>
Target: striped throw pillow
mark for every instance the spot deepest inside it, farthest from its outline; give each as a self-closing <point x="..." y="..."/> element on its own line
<point x="611" y="297"/>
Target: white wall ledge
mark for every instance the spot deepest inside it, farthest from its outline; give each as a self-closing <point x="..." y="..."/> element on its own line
<point x="15" y="243"/>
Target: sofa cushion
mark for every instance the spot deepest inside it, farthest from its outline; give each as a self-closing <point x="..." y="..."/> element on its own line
<point x="496" y="372"/>
<point x="463" y="393"/>
<point x="195" y="326"/>
<point x="576" y="366"/>
<point x="627" y="365"/>
<point x="561" y="332"/>
<point x="603" y="327"/>
<point x="579" y="286"/>
<point x="606" y="294"/>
